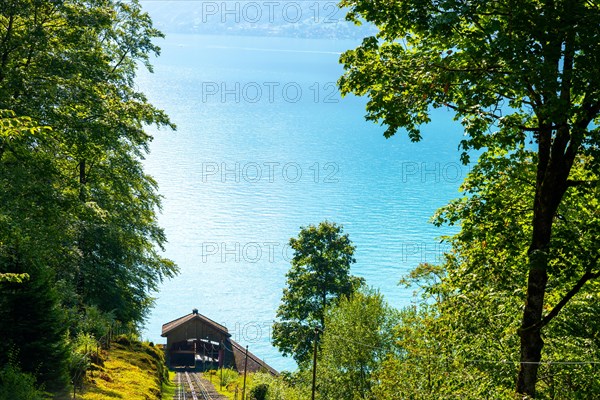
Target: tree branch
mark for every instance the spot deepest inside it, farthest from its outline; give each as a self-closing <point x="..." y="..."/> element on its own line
<point x="563" y="302"/>
<point x="492" y="115"/>
<point x="121" y="59"/>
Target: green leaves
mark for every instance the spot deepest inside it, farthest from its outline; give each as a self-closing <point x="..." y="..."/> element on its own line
<point x="472" y="303"/>
<point x="75" y="202"/>
<point x="81" y="61"/>
<point x="319" y="276"/>
<point x="522" y="78"/>
<point x="357" y="340"/>
<point x="14" y="278"/>
<point x="467" y="56"/>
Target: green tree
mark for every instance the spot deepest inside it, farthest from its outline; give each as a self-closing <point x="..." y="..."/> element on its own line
<point x="493" y="243"/>
<point x="23" y="174"/>
<point x="320" y="275"/>
<point x="429" y="361"/>
<point x="33" y="325"/>
<point x="286" y="386"/>
<point x="358" y="338"/>
<point x="461" y="340"/>
<point x="512" y="72"/>
<point x="76" y="207"/>
<point x="71" y="65"/>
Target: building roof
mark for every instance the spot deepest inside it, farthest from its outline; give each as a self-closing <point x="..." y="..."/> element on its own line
<point x="254" y="363"/>
<point x="169" y="326"/>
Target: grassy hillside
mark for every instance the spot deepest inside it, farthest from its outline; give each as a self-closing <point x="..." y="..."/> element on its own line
<point x="129" y="370"/>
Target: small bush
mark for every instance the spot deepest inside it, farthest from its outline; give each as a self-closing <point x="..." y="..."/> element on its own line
<point x="259" y="392"/>
<point x="276" y="388"/>
<point x="229" y="376"/>
<point x="85" y="343"/>
<point x="17" y="385"/>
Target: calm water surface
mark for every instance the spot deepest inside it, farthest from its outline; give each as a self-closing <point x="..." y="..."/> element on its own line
<point x="266" y="145"/>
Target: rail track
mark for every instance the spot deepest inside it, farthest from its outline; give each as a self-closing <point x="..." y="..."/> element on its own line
<point x="203" y="392"/>
<point x="190" y="387"/>
<point x="180" y="395"/>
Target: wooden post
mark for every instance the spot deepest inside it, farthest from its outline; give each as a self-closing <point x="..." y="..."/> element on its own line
<point x="314" y="377"/>
<point x="245" y="366"/>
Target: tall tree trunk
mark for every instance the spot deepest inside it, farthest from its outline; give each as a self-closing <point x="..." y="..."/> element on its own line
<point x="555" y="159"/>
<point x="550" y="188"/>
<point x="531" y="335"/>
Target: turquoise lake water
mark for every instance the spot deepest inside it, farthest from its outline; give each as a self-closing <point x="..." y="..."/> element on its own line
<point x="266" y="145"/>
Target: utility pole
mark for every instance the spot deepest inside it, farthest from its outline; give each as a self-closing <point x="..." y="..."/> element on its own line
<point x="245" y="366"/>
<point x="314" y="381"/>
<point x="221" y="362"/>
<point x="221" y="353"/>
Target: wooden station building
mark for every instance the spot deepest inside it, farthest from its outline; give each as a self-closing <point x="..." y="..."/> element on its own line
<point x="195" y="341"/>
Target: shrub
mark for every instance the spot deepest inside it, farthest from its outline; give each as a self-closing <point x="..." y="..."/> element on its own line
<point x="259" y="392"/>
<point x="17" y="385"/>
<point x="277" y="388"/>
<point x="229" y="376"/>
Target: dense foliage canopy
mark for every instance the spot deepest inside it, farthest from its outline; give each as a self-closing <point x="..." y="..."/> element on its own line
<point x="77" y="211"/>
<point x="519" y="75"/>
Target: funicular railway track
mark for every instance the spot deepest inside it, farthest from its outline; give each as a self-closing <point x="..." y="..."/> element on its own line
<point x="180" y="395"/>
<point x="190" y="387"/>
<point x="203" y="392"/>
